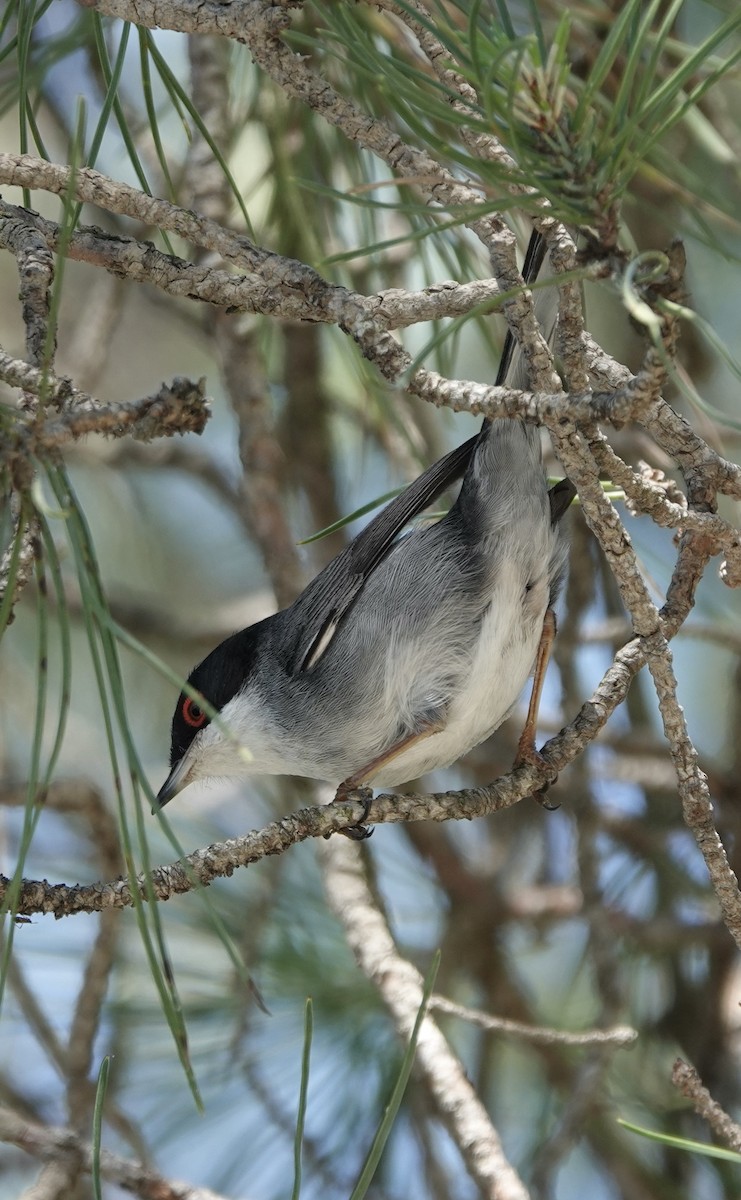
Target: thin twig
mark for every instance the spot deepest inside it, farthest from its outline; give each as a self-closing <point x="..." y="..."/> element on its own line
<point x="686" y="1079"/>
<point x="619" y="1036"/>
<point x="63" y="1147"/>
<point x="180" y="408"/>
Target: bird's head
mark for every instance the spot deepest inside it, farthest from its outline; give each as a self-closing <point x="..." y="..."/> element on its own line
<point x="199" y="747"/>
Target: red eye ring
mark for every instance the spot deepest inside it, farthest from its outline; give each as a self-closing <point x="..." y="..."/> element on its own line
<point x="192" y="714"/>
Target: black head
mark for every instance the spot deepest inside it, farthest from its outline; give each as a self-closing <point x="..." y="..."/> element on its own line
<point x="222" y="674"/>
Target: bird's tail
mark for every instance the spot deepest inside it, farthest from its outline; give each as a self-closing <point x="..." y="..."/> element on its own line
<point x="507" y="467"/>
<point x="512" y="367"/>
<point x="509" y="450"/>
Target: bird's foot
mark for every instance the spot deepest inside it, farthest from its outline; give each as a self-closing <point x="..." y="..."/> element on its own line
<point x="350" y="791"/>
<point x="529" y="755"/>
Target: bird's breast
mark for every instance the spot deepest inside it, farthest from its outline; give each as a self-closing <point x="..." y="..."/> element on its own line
<point x="500" y="662"/>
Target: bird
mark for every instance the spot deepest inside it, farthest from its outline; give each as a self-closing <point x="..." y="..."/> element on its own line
<point x="409" y="648"/>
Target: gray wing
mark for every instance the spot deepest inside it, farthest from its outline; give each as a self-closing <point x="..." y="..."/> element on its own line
<point x="317" y="613"/>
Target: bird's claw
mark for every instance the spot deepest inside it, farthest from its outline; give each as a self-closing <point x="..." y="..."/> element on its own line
<point x="529" y="755"/>
<point x="540" y="796"/>
<point x="358" y="832"/>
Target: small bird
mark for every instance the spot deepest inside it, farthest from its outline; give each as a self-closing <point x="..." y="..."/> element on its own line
<point x="405" y="651"/>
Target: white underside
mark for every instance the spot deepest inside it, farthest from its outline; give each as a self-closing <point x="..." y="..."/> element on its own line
<point x="503" y="660"/>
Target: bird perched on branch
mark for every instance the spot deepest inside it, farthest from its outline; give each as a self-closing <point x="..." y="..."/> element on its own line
<point x="407" y="649"/>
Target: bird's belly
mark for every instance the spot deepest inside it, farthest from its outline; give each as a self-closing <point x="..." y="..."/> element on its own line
<point x="503" y="660"/>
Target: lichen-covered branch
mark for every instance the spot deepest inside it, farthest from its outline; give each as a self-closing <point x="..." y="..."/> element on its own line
<point x="63" y="1148"/>
<point x="400" y="986"/>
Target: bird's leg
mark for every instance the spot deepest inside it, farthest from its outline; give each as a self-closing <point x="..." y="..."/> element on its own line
<point x="526" y="749"/>
<point x="357" y="781"/>
<point x="360" y="831"/>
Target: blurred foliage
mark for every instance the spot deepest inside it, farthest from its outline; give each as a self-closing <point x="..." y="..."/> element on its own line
<point x="625" y="118"/>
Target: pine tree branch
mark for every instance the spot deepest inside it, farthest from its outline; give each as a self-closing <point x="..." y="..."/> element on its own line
<point x="65" y="1149"/>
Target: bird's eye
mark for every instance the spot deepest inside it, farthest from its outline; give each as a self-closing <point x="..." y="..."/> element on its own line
<point x="192" y="714"/>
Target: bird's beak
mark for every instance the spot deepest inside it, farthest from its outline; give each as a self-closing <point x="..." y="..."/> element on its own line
<point x="175" y="782"/>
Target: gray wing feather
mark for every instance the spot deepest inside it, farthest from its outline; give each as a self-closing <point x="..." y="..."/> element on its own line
<point x="328" y="597"/>
<point x="318" y="611"/>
